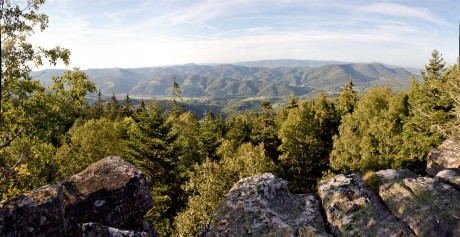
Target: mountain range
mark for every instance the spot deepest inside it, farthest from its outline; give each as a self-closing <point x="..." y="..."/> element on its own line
<point x="268" y="78"/>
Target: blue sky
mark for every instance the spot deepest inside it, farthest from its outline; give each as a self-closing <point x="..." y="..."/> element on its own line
<point x="139" y="33"/>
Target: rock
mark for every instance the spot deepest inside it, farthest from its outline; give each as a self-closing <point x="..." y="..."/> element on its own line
<point x="447" y="156"/>
<point x="96" y="230"/>
<point x="429" y="207"/>
<point x="352" y="209"/>
<point x="111" y="192"/>
<point x="449" y="177"/>
<point x="263" y="206"/>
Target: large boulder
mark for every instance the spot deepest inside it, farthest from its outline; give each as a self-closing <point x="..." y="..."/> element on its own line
<point x="429" y="207"/>
<point x="446" y="157"/>
<point x="353" y="209"/>
<point x="110" y="192"/>
<point x="263" y="206"/>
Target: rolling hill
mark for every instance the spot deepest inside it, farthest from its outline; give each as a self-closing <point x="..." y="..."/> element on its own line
<point x="234" y="81"/>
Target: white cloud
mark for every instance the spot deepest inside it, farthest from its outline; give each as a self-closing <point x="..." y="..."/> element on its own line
<point x="401" y="11"/>
<point x="175" y="32"/>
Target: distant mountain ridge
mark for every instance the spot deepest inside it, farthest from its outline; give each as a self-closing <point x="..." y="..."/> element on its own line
<point x="229" y="80"/>
<point x="274" y="63"/>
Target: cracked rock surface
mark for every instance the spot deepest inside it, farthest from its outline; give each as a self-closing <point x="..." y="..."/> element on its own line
<point x="262" y="205"/>
<point x="110" y="192"/>
<point x="352" y="209"/>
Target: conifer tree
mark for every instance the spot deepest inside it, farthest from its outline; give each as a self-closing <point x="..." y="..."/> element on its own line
<point x="302" y="148"/>
<point x="431" y="112"/>
<point x="212" y="131"/>
<point x="187" y="129"/>
<point x="99" y="106"/>
<point x="176" y="93"/>
<point x="238" y="128"/>
<point x="151" y="148"/>
<point x="113" y="108"/>
<point x="347" y="98"/>
<point x="370" y="137"/>
<point x="264" y="131"/>
<point x="328" y="119"/>
<point x="430" y="103"/>
<point x="128" y="107"/>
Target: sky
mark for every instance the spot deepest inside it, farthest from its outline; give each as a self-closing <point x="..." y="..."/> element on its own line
<point x="144" y="33"/>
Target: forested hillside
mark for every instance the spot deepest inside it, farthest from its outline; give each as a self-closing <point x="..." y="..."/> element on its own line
<point x="224" y="81"/>
<point x="48" y="133"/>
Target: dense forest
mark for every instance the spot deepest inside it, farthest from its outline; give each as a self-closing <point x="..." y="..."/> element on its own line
<point x="50" y="133"/>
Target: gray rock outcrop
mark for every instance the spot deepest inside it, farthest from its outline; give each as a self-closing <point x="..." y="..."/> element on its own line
<point x="110" y="192"/>
<point x="429" y="207"/>
<point x="263" y="206"/>
<point x="449" y="177"/>
<point x="353" y="209"/>
<point x="390" y="203"/>
<point x="446" y="157"/>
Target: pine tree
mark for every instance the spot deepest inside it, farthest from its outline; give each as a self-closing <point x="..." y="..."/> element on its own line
<point x="347" y="98"/>
<point x="329" y="120"/>
<point x="186" y="128"/>
<point x="238" y="128"/>
<point x="430" y="103"/>
<point x="264" y="131"/>
<point x="212" y="131"/>
<point x="431" y="113"/>
<point x="151" y="148"/>
<point x="176" y="93"/>
<point x="113" y="108"/>
<point x="302" y="148"/>
<point x="99" y="106"/>
<point x="370" y="137"/>
<point x="127" y="108"/>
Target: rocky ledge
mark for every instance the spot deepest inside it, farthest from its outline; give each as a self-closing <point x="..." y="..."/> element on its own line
<point x="388" y="203"/>
<point x="108" y="198"/>
<point x="263" y="206"/>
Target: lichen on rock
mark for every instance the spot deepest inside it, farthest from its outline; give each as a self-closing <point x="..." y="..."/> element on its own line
<point x="353" y="209"/>
<point x="425" y="204"/>
<point x="263" y="206"/>
<point x="446" y="157"/>
<point x="111" y="192"/>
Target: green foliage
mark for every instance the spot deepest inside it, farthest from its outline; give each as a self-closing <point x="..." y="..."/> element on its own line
<point x="265" y="131"/>
<point x="239" y="128"/>
<point x="26" y="164"/>
<point x="213" y="179"/>
<point x="452" y="88"/>
<point x="302" y="148"/>
<point x="212" y="131"/>
<point x="176" y="93"/>
<point x="431" y="112"/>
<point x="80" y="150"/>
<point x="45" y="133"/>
<point x="151" y="148"/>
<point x="113" y="109"/>
<point x="430" y="103"/>
<point x="128" y="109"/>
<point x="33" y="120"/>
<point x="370" y="137"/>
<point x="187" y="130"/>
<point x="347" y="99"/>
